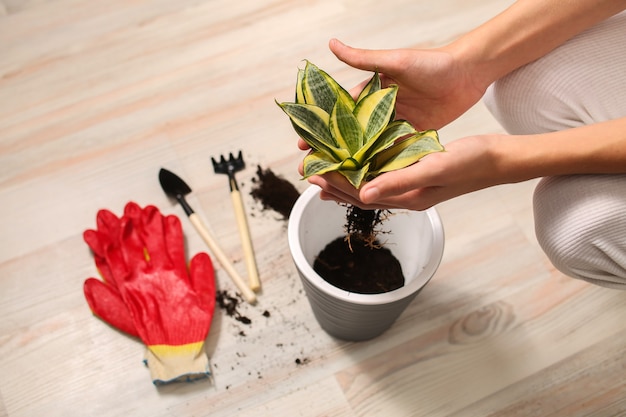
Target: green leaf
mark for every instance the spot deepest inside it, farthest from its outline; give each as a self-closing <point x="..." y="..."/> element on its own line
<point x="372" y="86"/>
<point x="321" y="90"/>
<point x="356" y="177"/>
<point x="345" y="128"/>
<point x="312" y="124"/>
<point x="318" y="163"/>
<point x="394" y="131"/>
<point x="350" y="164"/>
<point x="299" y="84"/>
<point x="406" y="152"/>
<point x="375" y="110"/>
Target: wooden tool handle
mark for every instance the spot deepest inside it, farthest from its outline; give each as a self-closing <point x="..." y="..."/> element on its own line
<point x="246" y="241"/>
<point x="247" y="293"/>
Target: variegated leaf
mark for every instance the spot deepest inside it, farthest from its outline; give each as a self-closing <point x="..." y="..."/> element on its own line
<point x="299" y="84"/>
<point x="375" y="110"/>
<point x="321" y="90"/>
<point x="345" y="128"/>
<point x="372" y="86"/>
<point x="318" y="163"/>
<point x="406" y="152"/>
<point x="356" y="177"/>
<point x="394" y="131"/>
<point x="312" y="126"/>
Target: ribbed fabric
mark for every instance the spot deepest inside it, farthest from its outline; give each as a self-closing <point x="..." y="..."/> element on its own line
<point x="581" y="82"/>
<point x="580" y="220"/>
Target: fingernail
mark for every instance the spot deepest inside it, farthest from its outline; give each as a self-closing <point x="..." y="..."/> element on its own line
<point x="370" y="195"/>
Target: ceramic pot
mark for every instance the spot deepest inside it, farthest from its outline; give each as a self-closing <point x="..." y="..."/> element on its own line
<point x="416" y="239"/>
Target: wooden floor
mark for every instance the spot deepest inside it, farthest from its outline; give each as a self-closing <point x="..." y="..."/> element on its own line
<point x="96" y="96"/>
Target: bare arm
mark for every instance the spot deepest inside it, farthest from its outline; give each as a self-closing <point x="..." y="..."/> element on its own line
<point x="526" y="31"/>
<point x="436" y="86"/>
<point x="482" y="161"/>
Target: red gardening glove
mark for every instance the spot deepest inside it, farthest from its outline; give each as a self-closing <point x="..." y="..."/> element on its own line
<point x="104" y="299"/>
<point x="149" y="292"/>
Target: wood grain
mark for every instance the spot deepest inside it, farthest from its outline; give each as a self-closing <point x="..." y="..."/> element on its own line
<point x="96" y="96"/>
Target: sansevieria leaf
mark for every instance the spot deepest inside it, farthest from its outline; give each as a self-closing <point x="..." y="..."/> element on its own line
<point x="374" y="111"/>
<point x="394" y="131"/>
<point x="357" y="139"/>
<point x="406" y="152"/>
<point x="345" y="128"/>
<point x="371" y="87"/>
<point x="318" y="163"/>
<point x="314" y="122"/>
<point x="320" y="89"/>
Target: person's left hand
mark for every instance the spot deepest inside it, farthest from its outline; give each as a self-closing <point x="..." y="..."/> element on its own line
<point x="467" y="165"/>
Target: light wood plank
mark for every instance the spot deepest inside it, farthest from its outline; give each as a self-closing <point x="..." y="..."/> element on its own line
<point x="97" y="96"/>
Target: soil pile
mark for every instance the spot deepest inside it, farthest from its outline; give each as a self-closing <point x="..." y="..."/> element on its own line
<point x="274" y="192"/>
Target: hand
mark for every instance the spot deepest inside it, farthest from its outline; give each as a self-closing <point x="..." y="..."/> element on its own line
<point x="149" y="292"/>
<point x="435" y="87"/>
<point x="467" y="165"/>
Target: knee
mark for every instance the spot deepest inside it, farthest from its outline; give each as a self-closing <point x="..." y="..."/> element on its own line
<point x="530" y="100"/>
<point x="582" y="228"/>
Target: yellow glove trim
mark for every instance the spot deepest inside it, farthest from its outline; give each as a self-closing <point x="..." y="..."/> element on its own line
<point x="177" y="363"/>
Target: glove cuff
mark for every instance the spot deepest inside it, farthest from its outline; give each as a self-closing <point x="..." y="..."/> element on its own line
<point x="184" y="363"/>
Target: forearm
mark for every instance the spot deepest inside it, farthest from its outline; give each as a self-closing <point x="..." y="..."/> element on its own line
<point x="526" y="31"/>
<point x="594" y="149"/>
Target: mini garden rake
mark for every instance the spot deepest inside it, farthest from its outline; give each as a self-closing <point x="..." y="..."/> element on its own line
<point x="229" y="167"/>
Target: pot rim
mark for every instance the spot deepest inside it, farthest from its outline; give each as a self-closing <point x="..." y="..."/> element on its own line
<point x="422" y="278"/>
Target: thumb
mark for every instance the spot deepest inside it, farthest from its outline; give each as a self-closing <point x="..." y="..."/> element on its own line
<point x="363" y="59"/>
<point x="389" y="184"/>
<point x="202" y="278"/>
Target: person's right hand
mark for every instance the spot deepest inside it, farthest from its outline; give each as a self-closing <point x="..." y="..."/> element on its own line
<point x="435" y="87"/>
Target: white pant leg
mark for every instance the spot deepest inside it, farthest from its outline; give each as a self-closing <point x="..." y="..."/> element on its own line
<point x="580" y="220"/>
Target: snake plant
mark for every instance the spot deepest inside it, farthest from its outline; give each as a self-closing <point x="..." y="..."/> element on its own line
<point x="358" y="138"/>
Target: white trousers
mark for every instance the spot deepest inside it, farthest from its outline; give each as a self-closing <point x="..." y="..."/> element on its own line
<point x="580" y="220"/>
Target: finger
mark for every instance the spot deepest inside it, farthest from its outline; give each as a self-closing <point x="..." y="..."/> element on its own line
<point x="420" y="199"/>
<point x="331" y="193"/>
<point x="393" y="183"/>
<point x="153" y="237"/>
<point x="107" y="223"/>
<point x="106" y="303"/>
<point x="175" y="242"/>
<point x="97" y="242"/>
<point x="202" y="278"/>
<point x="353" y="202"/>
<point x="335" y="184"/>
<point x="131" y="254"/>
<point x="364" y="59"/>
<point x="133" y="211"/>
<point x="302" y="145"/>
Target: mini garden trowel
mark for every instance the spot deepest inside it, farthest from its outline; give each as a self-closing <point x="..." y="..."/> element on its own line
<point x="176" y="188"/>
<point x="229" y="167"/>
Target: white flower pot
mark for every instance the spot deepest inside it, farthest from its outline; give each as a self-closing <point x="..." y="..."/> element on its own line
<point x="416" y="239"/>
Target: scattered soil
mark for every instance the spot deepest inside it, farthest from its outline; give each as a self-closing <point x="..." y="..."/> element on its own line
<point x="230" y="304"/>
<point x="274" y="192"/>
<point x="303" y="361"/>
<point x="359" y="263"/>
